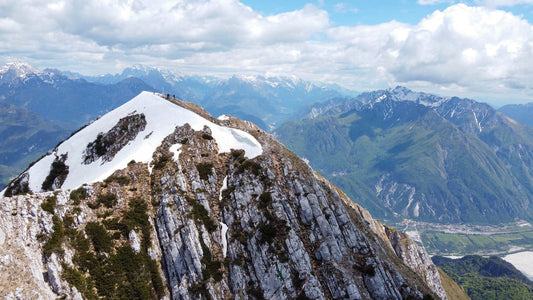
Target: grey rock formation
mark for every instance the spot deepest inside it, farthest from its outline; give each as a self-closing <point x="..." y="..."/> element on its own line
<point x="214" y="225"/>
<point x="108" y="144"/>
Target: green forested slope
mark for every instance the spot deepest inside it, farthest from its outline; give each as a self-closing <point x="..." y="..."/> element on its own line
<point x="402" y="159"/>
<point x="487" y="278"/>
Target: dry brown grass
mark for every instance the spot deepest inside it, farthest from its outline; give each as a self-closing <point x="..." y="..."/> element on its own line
<point x="453" y="290"/>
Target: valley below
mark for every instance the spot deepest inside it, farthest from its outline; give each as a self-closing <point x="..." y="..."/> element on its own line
<point x="454" y="174"/>
<point x="512" y="241"/>
<point x="461" y="239"/>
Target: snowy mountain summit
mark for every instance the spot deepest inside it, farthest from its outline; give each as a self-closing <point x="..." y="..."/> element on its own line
<point x="131" y="132"/>
<point x="401" y="93"/>
<point x="159" y="200"/>
<point x="18" y="69"/>
<point x="11" y="71"/>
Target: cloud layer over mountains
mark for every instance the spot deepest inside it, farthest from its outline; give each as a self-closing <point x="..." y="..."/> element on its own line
<point x="476" y="50"/>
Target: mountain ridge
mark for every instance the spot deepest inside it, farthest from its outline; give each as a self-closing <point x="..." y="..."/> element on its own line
<point x="266" y="99"/>
<point x="519" y="112"/>
<point x="58" y="97"/>
<point x="206" y="222"/>
<point x="157" y="113"/>
<point x="384" y="148"/>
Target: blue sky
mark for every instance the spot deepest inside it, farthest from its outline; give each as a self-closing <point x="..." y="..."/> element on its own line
<point x="480" y="49"/>
<point x="350" y="13"/>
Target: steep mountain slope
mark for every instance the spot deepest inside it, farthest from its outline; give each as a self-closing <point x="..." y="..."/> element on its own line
<point x="453" y="290"/>
<point x="522" y="113"/>
<point x="24" y="137"/>
<point x="57" y="97"/>
<point x="191" y="207"/>
<point x="511" y="141"/>
<point x="414" y="155"/>
<point x="122" y="143"/>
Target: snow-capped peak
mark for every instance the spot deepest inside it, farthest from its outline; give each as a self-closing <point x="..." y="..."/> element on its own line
<point x="248" y="78"/>
<point x="17" y="69"/>
<point x="159" y="117"/>
<point x="144" y="70"/>
<point x="274" y="81"/>
<point x="401" y="93"/>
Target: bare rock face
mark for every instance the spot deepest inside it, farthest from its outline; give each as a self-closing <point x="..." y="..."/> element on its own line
<point x="416" y="258"/>
<point x="108" y="144"/>
<point x="199" y="224"/>
<point x="21" y="266"/>
<point x="289" y="234"/>
<point x="57" y="175"/>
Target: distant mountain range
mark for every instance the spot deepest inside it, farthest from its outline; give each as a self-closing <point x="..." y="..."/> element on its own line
<point x="74" y="98"/>
<point x="24" y="137"/>
<point x="520" y="112"/>
<point x="403" y="154"/>
<point x="70" y="100"/>
<point x="57" y="97"/>
<point x="267" y="101"/>
<point x="190" y="87"/>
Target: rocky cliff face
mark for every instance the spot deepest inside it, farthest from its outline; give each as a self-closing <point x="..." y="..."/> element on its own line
<point x="196" y="222"/>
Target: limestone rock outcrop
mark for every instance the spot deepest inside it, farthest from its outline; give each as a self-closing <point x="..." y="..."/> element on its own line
<point x="199" y="223"/>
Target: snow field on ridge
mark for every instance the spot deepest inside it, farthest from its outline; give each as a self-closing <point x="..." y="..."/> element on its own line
<point x="162" y="117"/>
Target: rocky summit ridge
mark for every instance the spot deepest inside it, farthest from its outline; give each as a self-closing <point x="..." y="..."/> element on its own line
<point x="159" y="200"/>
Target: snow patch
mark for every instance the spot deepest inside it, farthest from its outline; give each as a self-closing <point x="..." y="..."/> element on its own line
<point x="453" y="113"/>
<point x="224" y="187"/>
<point x="379" y="99"/>
<point x="135" y="242"/>
<point x="477" y="122"/>
<point x="223" y="117"/>
<point x="176" y="150"/>
<point x="224" y="240"/>
<point x="162" y="117"/>
<point x="21" y="69"/>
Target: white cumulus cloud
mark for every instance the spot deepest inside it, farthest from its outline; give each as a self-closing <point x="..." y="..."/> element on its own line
<point x="477" y="50"/>
<point x="496" y="3"/>
<point x="431" y="2"/>
<point x="466" y="45"/>
<point x="474" y="48"/>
